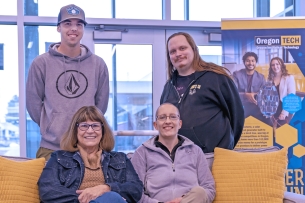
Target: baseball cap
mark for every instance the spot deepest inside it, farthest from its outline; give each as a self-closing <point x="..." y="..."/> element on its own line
<point x="69" y="12"/>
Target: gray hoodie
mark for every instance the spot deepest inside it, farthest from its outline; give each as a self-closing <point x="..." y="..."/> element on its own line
<point x="57" y="86"/>
<point x="165" y="180"/>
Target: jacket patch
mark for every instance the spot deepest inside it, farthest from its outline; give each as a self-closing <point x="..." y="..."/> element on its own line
<point x="71" y="84"/>
<point x="193" y="89"/>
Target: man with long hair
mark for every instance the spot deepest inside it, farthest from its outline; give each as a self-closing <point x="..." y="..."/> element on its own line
<point x="205" y="95"/>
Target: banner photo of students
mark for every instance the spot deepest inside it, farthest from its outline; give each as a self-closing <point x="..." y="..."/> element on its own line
<point x="266" y="58"/>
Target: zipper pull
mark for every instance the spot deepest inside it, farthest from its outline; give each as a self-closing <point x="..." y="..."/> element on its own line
<point x="179" y="100"/>
<point x="173" y="166"/>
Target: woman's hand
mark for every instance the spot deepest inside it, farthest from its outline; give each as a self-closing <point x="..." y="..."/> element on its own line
<point x="88" y="194"/>
<point x="176" y="200"/>
<point x="282" y="116"/>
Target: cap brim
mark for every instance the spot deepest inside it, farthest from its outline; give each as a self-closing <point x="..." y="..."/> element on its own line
<point x="72" y="18"/>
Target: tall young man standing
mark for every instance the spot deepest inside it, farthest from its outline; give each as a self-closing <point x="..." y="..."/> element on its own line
<point x="64" y="79"/>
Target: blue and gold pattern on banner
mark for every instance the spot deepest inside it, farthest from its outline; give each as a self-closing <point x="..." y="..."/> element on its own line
<point x="270" y="37"/>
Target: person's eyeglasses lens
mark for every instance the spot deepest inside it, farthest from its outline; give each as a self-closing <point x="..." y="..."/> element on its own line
<point x="164" y="117"/>
<point x="85" y="126"/>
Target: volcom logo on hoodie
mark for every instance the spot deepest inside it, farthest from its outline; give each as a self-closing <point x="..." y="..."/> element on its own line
<point x="71" y="84"/>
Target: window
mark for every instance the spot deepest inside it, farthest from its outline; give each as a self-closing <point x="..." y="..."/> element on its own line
<point x="94" y="9"/>
<point x="8" y="7"/>
<point x="211" y="54"/>
<point x="9" y="92"/>
<point x="217" y="9"/>
<point x="177" y="10"/>
<point x="276" y="7"/>
<point x="37" y="40"/>
<point x="130" y="99"/>
<point x="100" y="9"/>
<point x="138" y="9"/>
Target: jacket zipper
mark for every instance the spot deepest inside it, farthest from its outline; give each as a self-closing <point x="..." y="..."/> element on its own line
<point x="180" y="98"/>
<point x="173" y="164"/>
<point x="185" y="93"/>
<point x="177" y="94"/>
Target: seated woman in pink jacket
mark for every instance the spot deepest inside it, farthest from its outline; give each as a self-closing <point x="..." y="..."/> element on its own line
<point x="284" y="84"/>
<point x="172" y="168"/>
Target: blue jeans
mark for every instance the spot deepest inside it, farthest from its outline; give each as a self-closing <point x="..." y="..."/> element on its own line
<point x="109" y="197"/>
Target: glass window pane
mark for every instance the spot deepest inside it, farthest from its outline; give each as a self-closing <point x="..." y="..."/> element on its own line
<point x="130" y="99"/>
<point x="138" y="9"/>
<point x="217" y="9"/>
<point x="8" y="7"/>
<point x="9" y="92"/>
<point x="94" y="9"/>
<point x="177" y="9"/>
<point x="47" y="36"/>
<point x="37" y="40"/>
<point x="211" y="54"/>
<point x="276" y="7"/>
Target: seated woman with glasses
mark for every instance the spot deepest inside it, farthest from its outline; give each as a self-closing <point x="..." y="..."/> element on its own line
<point x="172" y="168"/>
<point x="86" y="170"/>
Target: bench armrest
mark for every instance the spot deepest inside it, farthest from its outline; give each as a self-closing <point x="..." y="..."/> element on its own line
<point x="290" y="197"/>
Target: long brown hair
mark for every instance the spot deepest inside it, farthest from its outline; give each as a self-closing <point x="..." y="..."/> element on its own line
<point x="198" y="64"/>
<point x="85" y="113"/>
<point x="271" y="74"/>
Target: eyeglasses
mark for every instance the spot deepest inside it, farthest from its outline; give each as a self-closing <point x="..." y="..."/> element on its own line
<point x="85" y="126"/>
<point x="172" y="117"/>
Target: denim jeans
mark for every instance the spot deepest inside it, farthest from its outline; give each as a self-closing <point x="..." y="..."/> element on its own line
<point x="109" y="197"/>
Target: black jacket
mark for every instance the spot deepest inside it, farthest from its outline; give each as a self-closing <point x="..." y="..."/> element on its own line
<point x="211" y="110"/>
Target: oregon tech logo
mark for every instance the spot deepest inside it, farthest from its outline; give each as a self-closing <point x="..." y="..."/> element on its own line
<point x="71" y="84"/>
<point x="286" y="41"/>
<point x="268" y="41"/>
<point x="73" y="10"/>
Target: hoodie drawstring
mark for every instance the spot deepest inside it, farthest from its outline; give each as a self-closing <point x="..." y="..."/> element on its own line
<point x="64" y="61"/>
<point x="78" y="70"/>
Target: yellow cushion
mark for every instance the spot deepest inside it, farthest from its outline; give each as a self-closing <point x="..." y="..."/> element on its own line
<point x="18" y="180"/>
<point x="249" y="177"/>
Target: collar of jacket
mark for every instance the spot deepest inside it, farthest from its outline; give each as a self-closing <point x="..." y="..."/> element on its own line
<point x="77" y="157"/>
<point x="150" y="144"/>
<point x="198" y="74"/>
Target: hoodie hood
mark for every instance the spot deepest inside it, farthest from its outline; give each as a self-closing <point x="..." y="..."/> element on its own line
<point x="85" y="53"/>
<point x="150" y="144"/>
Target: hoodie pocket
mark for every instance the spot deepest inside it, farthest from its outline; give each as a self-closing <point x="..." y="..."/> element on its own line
<point x="204" y="136"/>
<point x="212" y="138"/>
<point x="50" y="123"/>
<point x="57" y="126"/>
